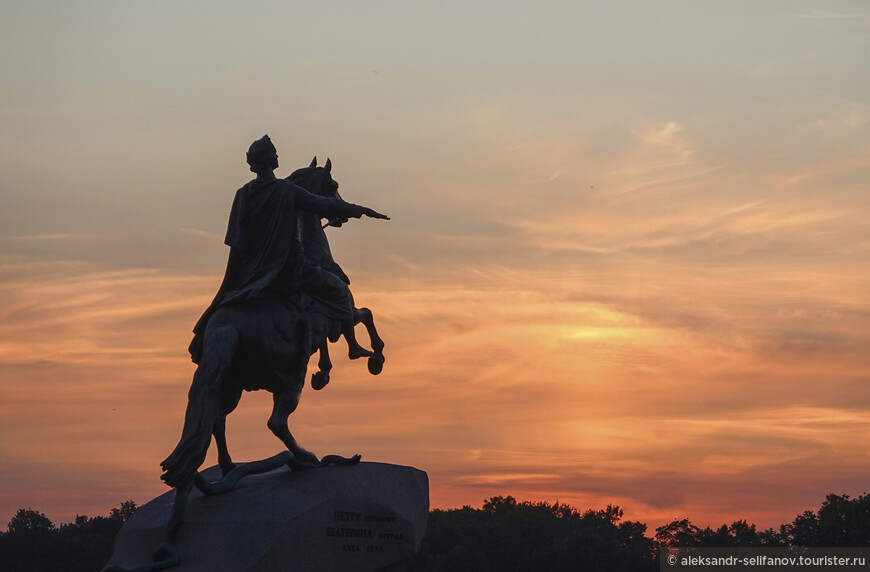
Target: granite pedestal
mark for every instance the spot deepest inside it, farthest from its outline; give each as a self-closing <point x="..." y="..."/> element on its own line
<point x="367" y="517"/>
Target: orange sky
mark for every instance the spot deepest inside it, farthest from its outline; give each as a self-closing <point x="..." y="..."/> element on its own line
<point x="627" y="261"/>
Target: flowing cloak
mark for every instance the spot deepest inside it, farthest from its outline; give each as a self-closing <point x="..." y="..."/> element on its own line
<point x="266" y="252"/>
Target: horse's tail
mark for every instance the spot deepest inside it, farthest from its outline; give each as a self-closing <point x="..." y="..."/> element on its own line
<point x="203" y="407"/>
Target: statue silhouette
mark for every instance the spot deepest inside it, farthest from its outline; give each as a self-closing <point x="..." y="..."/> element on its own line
<point x="277" y="304"/>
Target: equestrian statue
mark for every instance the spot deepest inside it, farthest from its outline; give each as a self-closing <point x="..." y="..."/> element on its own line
<point x="282" y="298"/>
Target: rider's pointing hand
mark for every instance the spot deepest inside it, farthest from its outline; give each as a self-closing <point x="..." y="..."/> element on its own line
<point x="375" y="214"/>
<point x="372" y="213"/>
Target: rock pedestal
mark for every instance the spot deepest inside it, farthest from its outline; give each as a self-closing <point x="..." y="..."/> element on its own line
<point x="367" y="517"/>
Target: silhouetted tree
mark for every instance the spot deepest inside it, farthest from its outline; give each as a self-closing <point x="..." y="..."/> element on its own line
<point x="124" y="511"/>
<point x="506" y="535"/>
<point x="678" y="533"/>
<point x="28" y="544"/>
<point x="34" y="544"/>
<point x="739" y="533"/>
<point x="841" y="521"/>
<point x="29" y="520"/>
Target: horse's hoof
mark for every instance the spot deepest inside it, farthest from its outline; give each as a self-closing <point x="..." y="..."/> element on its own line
<point x="319" y="379"/>
<point x="376" y="364"/>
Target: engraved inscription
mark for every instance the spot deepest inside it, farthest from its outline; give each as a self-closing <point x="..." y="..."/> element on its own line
<point x="356" y="525"/>
<point x="349" y="532"/>
<point x="376" y="518"/>
<point x="391" y="536"/>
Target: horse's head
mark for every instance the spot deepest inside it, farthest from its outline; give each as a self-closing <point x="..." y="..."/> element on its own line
<point x="317" y="180"/>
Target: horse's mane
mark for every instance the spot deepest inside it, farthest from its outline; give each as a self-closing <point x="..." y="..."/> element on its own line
<point x="300" y="174"/>
<point x="312" y="179"/>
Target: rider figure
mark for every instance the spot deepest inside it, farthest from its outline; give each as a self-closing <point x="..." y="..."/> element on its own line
<point x="266" y="249"/>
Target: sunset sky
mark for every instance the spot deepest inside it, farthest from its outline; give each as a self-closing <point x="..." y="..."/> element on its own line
<point x="628" y="261"/>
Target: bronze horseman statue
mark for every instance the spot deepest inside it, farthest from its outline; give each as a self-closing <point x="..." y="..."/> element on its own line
<point x="282" y="298"/>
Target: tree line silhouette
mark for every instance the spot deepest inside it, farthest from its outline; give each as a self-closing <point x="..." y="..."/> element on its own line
<point x="503" y="535"/>
<point x="34" y="544"/>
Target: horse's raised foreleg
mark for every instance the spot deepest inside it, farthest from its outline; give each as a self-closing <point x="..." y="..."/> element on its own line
<point x="365" y="317"/>
<point x="283" y="404"/>
<point x="320" y="378"/>
<point x="354" y="350"/>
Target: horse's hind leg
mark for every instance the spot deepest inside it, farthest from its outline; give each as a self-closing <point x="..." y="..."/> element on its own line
<point x="365" y="316"/>
<point x="283" y="404"/>
<point x="229" y="401"/>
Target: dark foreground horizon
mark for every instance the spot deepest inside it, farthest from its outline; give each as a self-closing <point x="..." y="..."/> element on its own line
<point x="503" y="535"/>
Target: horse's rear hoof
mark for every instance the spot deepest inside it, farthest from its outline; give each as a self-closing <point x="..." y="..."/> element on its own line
<point x="319" y="379"/>
<point x="227" y="468"/>
<point x="376" y="364"/>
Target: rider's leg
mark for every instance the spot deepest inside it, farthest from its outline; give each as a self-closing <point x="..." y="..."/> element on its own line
<point x="333" y="293"/>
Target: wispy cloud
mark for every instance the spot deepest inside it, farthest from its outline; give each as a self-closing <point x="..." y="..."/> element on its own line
<point x="47" y="237"/>
<point x="203" y="234"/>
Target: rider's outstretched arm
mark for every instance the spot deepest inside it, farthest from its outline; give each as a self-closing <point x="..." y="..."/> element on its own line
<point x="331" y="208"/>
